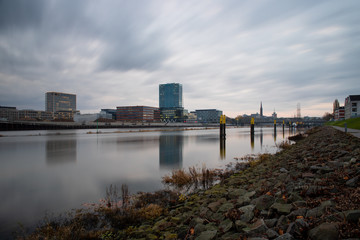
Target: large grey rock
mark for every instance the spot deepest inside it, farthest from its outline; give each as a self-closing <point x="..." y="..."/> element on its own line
<point x="214" y="206"/>
<point x="321" y="169"/>
<point x="327" y="204"/>
<point x="271" y="234"/>
<point x="352" y="215"/>
<point x="354" y="182"/>
<point x="282" y="208"/>
<point x="225" y="207"/>
<point x="271" y="222"/>
<point x="286" y="236"/>
<point x="259" y="227"/>
<point x="248" y="213"/>
<point x="196" y="221"/>
<point x="207" y="235"/>
<point x="263" y="202"/>
<point x="199" y="228"/>
<point x="298" y="228"/>
<point x="218" y="216"/>
<point x="226" y="225"/>
<point x="236" y="193"/>
<point x="297" y="212"/>
<point x="243" y="200"/>
<point x="250" y="194"/>
<point x="325" y="231"/>
<point x="315" y="212"/>
<point x="240" y="225"/>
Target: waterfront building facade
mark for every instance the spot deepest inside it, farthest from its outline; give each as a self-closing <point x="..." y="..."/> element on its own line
<point x="12" y="114"/>
<point x="8" y="113"/>
<point x="63" y="104"/>
<point x="137" y="114"/>
<point x="35" y="115"/>
<point x="208" y="115"/>
<point x="106" y="112"/>
<point x="339" y="113"/>
<point x="352" y="106"/>
<point x="170" y="95"/>
<point x="171" y="102"/>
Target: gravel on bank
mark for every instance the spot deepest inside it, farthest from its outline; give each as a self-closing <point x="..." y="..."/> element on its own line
<point x="308" y="191"/>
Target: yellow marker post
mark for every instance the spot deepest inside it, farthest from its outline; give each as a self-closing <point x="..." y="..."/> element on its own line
<point x="222" y="126"/>
<point x="275" y="126"/>
<point x="252" y="128"/>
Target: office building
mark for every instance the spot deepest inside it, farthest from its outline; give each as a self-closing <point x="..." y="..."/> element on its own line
<point x="35" y="115"/>
<point x="171" y="103"/>
<point x="208" y="115"/>
<point x="137" y="114"/>
<point x="62" y="104"/>
<point x="106" y="112"/>
<point x="8" y="113"/>
<point x="352" y="106"/>
<point x="57" y="102"/>
<point x="170" y="95"/>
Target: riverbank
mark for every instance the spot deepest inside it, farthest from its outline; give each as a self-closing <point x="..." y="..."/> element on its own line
<point x="308" y="190"/>
<point x="353" y="123"/>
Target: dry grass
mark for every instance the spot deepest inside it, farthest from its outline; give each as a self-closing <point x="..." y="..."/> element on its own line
<point x="186" y="180"/>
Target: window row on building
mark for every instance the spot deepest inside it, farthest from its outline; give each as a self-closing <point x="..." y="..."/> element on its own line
<point x="13" y="114"/>
<point x="351" y="108"/>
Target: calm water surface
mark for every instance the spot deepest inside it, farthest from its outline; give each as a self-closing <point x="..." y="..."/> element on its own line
<point x="54" y="171"/>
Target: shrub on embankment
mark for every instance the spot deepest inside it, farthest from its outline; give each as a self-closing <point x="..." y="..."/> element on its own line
<point x="308" y="191"/>
<point x="353" y="123"/>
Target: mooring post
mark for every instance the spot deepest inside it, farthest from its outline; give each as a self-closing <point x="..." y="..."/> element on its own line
<point x="283" y="125"/>
<point x="345" y="125"/>
<point x="222" y="126"/>
<point x="252" y="129"/>
<point x="275" y="125"/>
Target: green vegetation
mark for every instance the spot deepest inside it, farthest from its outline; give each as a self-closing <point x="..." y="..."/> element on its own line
<point x="353" y="123"/>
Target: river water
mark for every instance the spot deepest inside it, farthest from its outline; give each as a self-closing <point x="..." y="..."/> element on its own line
<point x="50" y="172"/>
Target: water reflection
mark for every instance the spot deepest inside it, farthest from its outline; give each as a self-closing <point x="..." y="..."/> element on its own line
<point x="222" y="148"/>
<point x="171" y="151"/>
<point x="252" y="140"/>
<point x="274" y="135"/>
<point x="60" y="151"/>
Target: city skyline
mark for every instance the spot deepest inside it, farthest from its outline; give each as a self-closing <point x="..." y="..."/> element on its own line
<point x="227" y="55"/>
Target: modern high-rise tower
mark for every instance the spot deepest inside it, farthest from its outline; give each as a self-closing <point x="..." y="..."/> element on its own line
<point x="170" y="102"/>
<point x="170" y="95"/>
<point x="261" y="110"/>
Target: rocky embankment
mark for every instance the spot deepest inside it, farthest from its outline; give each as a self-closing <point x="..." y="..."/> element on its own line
<point x="310" y="190"/>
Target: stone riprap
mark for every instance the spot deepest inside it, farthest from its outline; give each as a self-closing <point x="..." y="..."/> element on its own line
<point x="308" y="191"/>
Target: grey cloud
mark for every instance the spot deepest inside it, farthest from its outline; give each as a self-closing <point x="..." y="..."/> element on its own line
<point x="21" y="14"/>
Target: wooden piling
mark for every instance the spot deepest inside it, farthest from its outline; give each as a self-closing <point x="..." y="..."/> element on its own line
<point x="222" y="126"/>
<point x="275" y="126"/>
<point x="252" y="128"/>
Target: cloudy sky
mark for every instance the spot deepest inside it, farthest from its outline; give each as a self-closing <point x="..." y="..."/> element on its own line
<point x="228" y="55"/>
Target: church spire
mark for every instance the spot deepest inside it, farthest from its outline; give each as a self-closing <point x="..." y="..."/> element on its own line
<point x="261" y="109"/>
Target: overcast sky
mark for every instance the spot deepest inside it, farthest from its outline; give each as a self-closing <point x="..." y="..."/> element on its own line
<point x="228" y="55"/>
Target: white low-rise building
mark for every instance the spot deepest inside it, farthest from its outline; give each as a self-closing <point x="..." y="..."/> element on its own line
<point x="352" y="106"/>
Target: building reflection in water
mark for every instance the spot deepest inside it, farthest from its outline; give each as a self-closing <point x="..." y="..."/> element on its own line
<point x="171" y="151"/>
<point x="60" y="151"/>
